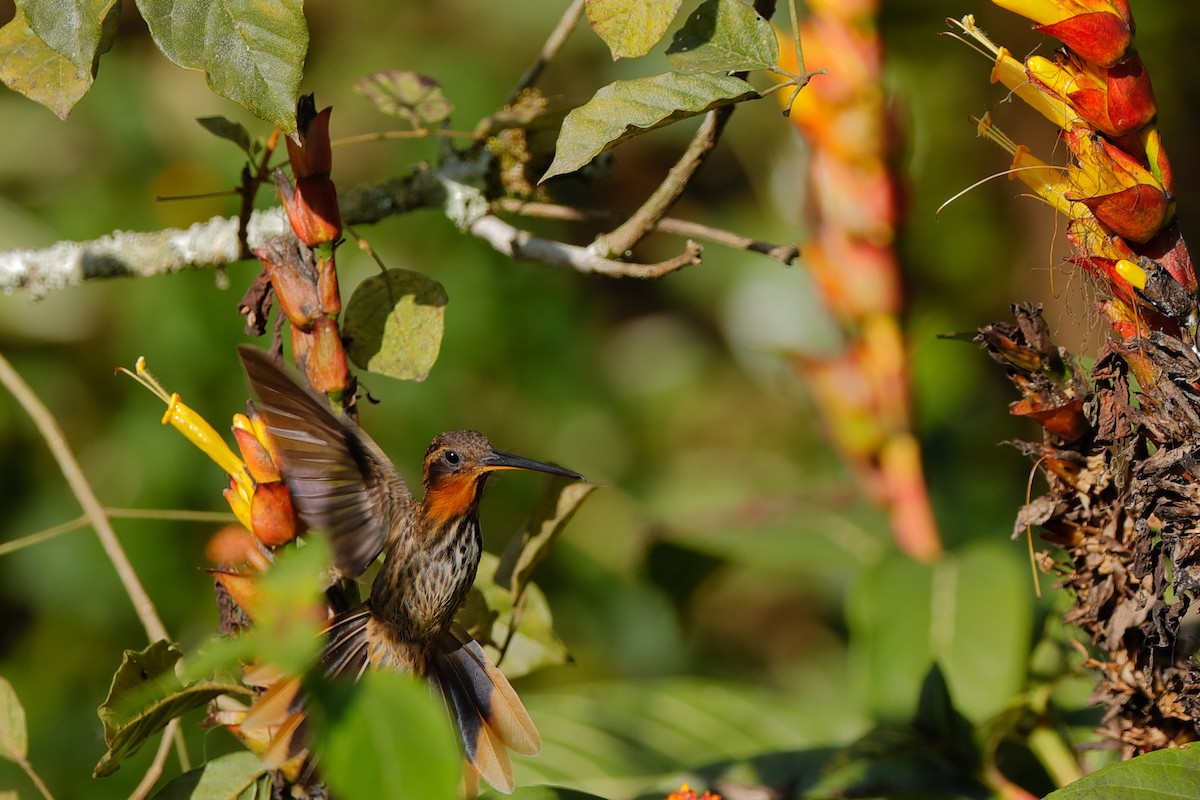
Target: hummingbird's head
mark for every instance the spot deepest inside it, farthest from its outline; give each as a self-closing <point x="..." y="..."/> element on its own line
<point x="457" y="464"/>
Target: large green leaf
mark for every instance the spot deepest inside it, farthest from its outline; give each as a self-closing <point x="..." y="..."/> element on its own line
<point x="14" y="743"/>
<point x="630" y="28"/>
<point x="78" y="30"/>
<point x="491" y="617"/>
<point x="145" y="695"/>
<point x="624" y="109"/>
<point x="234" y="776"/>
<point x="1162" y="775"/>
<point x="723" y="36"/>
<point x="560" y="499"/>
<point x="251" y="51"/>
<point x="386" y="736"/>
<point x="393" y="324"/>
<point x="617" y="739"/>
<point x="29" y="66"/>
<point x="970" y="612"/>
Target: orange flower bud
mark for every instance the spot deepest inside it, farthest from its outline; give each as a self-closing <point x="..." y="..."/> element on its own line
<point x="312" y="206"/>
<point x="233" y="546"/>
<point x="293" y="275"/>
<point x="241" y="588"/>
<point x="312" y="209"/>
<point x="258" y="459"/>
<point x="312" y="154"/>
<point x="326" y="366"/>
<point x="272" y="517"/>
<point x="327" y="286"/>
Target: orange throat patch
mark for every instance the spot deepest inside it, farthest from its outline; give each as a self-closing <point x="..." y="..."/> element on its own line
<point x="452" y="497"/>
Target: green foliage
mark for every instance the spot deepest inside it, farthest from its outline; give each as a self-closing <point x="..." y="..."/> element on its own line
<point x="224" y="128"/>
<point x="14" y="743"/>
<point x="365" y="754"/>
<point x="393" y="324"/>
<point x="251" y="52"/>
<point x="408" y="95"/>
<point x="1161" y="775"/>
<point x="236" y="776"/>
<point x="724" y="35"/>
<point x="624" y="109"/>
<point x="970" y="612"/>
<point x="145" y="695"/>
<point x="630" y="28"/>
<point x="28" y="65"/>
<point x="78" y="30"/>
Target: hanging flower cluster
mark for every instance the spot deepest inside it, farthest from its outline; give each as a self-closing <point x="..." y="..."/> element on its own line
<point x="862" y="390"/>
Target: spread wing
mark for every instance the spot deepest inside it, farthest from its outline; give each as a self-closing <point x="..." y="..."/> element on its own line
<point x="340" y="481"/>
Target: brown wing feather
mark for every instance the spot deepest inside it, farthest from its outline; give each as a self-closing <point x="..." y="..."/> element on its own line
<point x="340" y="481"/>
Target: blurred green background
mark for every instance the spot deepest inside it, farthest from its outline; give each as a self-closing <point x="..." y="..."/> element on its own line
<point x="730" y="599"/>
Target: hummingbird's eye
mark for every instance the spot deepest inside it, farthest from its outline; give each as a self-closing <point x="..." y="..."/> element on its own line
<point x="452" y="458"/>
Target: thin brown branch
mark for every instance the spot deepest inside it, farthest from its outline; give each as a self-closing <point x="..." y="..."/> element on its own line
<point x="52" y="433"/>
<point x="554" y="43"/>
<point x="25" y="765"/>
<point x="786" y="253"/>
<point x="644" y="220"/>
<point x="155" y="770"/>
<point x="388" y="136"/>
<point x="524" y="246"/>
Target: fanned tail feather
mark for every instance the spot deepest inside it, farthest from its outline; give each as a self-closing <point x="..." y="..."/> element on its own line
<point x="489" y="716"/>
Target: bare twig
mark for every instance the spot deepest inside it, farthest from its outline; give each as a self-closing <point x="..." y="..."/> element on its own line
<point x="642" y="221"/>
<point x="155" y="770"/>
<point x="25" y="765"/>
<point x="52" y="433"/>
<point x="786" y="253"/>
<point x="524" y="246"/>
<point x="114" y="513"/>
<point x="554" y="43"/>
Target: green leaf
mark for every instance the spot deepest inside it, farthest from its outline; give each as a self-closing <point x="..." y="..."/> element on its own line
<point x="630" y="28"/>
<point x="286" y="631"/>
<point x="408" y="95"/>
<point x="560" y="499"/>
<point x="251" y="51"/>
<point x="543" y="793"/>
<point x="225" y="128"/>
<point x="229" y="777"/>
<point x="1161" y="775"/>
<point x="29" y="66"/>
<point x="624" y="109"/>
<point x="613" y="738"/>
<point x="490" y="615"/>
<point x="724" y="36"/>
<point x="970" y="612"/>
<point x="393" y="324"/>
<point x="78" y="30"/>
<point x="14" y="744"/>
<point x="145" y="695"/>
<point x="386" y="736"/>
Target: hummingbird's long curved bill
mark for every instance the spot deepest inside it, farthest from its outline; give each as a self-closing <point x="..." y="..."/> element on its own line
<point x="498" y="460"/>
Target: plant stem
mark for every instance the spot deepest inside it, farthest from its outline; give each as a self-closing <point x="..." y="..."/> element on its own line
<point x="621" y="240"/>
<point x="52" y="433"/>
<point x="554" y="43"/>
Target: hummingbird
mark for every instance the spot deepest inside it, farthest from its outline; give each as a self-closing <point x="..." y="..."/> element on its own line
<point x="342" y="483"/>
